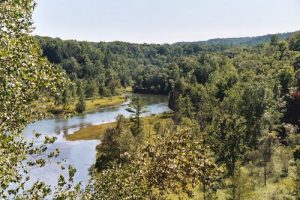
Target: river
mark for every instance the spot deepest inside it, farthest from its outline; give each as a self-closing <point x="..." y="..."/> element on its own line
<point x="81" y="154"/>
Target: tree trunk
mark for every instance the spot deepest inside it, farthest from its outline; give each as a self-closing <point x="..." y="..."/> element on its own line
<point x="265" y="175"/>
<point x="204" y="190"/>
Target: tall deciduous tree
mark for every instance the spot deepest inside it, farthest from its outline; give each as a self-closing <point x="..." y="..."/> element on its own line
<point x="117" y="146"/>
<point x="81" y="105"/>
<point x="24" y="75"/>
<point x="229" y="137"/>
<point x="171" y="165"/>
<point x="294" y="42"/>
<point x="297" y="180"/>
<point x="266" y="147"/>
<point x="91" y="89"/>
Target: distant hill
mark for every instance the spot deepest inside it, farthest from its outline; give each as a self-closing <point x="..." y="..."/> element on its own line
<point x="241" y="40"/>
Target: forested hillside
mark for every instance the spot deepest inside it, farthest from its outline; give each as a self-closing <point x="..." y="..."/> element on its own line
<point x="256" y="40"/>
<point x="145" y="67"/>
<point x="235" y="110"/>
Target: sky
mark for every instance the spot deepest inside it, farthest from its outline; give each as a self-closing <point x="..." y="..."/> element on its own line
<point x="163" y="21"/>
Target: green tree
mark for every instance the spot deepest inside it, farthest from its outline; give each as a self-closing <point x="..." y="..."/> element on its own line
<point x="170" y="165"/>
<point x="266" y="147"/>
<point x="117" y="146"/>
<point x="297" y="180"/>
<point x="136" y="107"/>
<point x="24" y="76"/>
<point x="228" y="131"/>
<point x="296" y="63"/>
<point x="177" y="153"/>
<point x="228" y="139"/>
<point x="118" y="182"/>
<point x="70" y="65"/>
<point x="241" y="186"/>
<point x="81" y="104"/>
<point x="186" y="108"/>
<point x="174" y="98"/>
<point x="296" y="153"/>
<point x="91" y="89"/>
<point x="294" y="42"/>
<point x="103" y="91"/>
<point x="66" y="97"/>
<point x="113" y="85"/>
<point x="274" y="40"/>
<point x="63" y="98"/>
<point x="286" y="78"/>
<point x="255" y="101"/>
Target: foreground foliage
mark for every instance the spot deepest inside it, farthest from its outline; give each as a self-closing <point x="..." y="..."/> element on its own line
<point x="173" y="164"/>
<point x="24" y="75"/>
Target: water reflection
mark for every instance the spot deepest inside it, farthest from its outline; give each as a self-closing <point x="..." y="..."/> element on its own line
<point x="82" y="154"/>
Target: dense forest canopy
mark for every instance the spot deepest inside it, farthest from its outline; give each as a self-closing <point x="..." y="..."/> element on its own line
<point x="148" y="68"/>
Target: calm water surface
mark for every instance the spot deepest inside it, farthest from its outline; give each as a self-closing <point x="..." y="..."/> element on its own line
<point x="81" y="154"/>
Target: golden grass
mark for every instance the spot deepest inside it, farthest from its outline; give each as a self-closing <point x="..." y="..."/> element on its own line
<point x="128" y="89"/>
<point x="90" y="132"/>
<point x="91" y="104"/>
<point x="96" y="131"/>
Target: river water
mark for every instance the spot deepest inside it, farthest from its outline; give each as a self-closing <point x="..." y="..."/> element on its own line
<point x="81" y="154"/>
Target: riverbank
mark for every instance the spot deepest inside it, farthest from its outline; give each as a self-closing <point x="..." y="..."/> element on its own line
<point x="92" y="105"/>
<point x="99" y="103"/>
<point x="96" y="132"/>
<point x="80" y="154"/>
<point x="47" y="104"/>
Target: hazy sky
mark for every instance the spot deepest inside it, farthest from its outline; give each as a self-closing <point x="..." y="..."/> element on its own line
<point x="164" y="21"/>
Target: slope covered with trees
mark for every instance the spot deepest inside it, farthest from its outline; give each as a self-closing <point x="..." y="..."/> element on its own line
<point x="105" y="67"/>
<point x="252" y="41"/>
<point x="232" y="122"/>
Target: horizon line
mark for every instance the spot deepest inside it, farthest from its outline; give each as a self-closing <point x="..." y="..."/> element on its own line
<point x="166" y="43"/>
